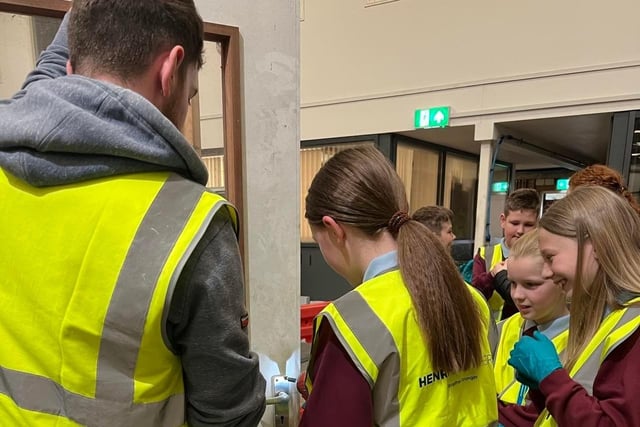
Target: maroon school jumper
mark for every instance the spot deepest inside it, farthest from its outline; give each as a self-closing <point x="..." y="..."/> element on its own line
<point x="615" y="400"/>
<point x="341" y="397"/>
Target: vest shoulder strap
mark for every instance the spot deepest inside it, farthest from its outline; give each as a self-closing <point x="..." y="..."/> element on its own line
<point x="488" y="256"/>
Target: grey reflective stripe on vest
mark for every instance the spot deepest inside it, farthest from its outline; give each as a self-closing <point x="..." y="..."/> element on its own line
<point x="500" y="327"/>
<point x="587" y="372"/>
<point x="488" y="256"/>
<point x="39" y="394"/>
<point x="123" y="329"/>
<point x="377" y="340"/>
<point x="178" y="270"/>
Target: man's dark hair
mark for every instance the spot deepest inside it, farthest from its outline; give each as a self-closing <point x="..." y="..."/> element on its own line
<point x="122" y="37"/>
<point x="526" y="199"/>
<point x="433" y="217"/>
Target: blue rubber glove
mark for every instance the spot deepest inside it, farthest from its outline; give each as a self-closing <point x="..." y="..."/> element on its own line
<point x="534" y="358"/>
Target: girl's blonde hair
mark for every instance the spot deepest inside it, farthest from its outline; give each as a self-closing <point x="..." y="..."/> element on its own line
<point x="526" y="246"/>
<point x="592" y="214"/>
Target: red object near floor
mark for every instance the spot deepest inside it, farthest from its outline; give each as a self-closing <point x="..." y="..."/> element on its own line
<point x="307" y="313"/>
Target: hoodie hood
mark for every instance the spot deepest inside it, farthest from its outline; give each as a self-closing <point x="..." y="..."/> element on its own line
<point x="74" y="128"/>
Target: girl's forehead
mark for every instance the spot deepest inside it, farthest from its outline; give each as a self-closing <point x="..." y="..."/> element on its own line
<point x="525" y="261"/>
<point x="546" y="237"/>
<point x="526" y="269"/>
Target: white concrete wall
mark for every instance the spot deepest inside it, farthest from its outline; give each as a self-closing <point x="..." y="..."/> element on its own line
<point x="16" y="49"/>
<point x="366" y="69"/>
<point x="270" y="65"/>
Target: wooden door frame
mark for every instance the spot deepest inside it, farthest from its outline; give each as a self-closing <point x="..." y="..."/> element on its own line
<point x="229" y="39"/>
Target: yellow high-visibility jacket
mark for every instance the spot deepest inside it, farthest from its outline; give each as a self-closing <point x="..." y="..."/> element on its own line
<point x="492" y="256"/>
<point x="87" y="274"/>
<point x="377" y="325"/>
<point x="614" y="330"/>
<point x="510" y="330"/>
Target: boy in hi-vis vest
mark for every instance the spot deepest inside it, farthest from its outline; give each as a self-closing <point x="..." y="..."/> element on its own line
<point x="489" y="268"/>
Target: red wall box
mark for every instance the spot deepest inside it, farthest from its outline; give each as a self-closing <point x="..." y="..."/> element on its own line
<point x="307" y="313"/>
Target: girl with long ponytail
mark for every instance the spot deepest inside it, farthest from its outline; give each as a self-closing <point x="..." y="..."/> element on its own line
<point x="408" y="345"/>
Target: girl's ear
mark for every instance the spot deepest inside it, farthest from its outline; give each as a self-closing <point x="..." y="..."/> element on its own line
<point x="335" y="229"/>
<point x="590" y="249"/>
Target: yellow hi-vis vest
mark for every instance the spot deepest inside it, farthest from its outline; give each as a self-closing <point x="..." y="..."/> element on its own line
<point x="614" y="330"/>
<point x="481" y="301"/>
<point x="494" y="253"/>
<point x="87" y="272"/>
<point x="508" y="388"/>
<point x="376" y="324"/>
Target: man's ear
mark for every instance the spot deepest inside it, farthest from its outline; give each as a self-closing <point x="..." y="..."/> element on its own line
<point x="334" y="228"/>
<point x="169" y="69"/>
<point x="503" y="219"/>
<point x="69" y="68"/>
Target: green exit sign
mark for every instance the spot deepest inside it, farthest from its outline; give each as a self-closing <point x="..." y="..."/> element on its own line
<point x="562" y="184"/>
<point x="434" y="117"/>
<point x="500" y="187"/>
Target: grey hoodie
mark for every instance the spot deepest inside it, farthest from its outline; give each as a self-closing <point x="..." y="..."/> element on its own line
<point x="63" y="129"/>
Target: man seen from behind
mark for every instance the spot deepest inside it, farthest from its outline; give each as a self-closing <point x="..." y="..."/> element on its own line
<point x="122" y="284"/>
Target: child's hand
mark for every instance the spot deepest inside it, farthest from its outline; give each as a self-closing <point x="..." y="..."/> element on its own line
<point x="534" y="359"/>
<point x="498" y="268"/>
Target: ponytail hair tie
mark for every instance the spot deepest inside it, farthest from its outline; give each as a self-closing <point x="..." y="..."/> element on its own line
<point x="397" y="220"/>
